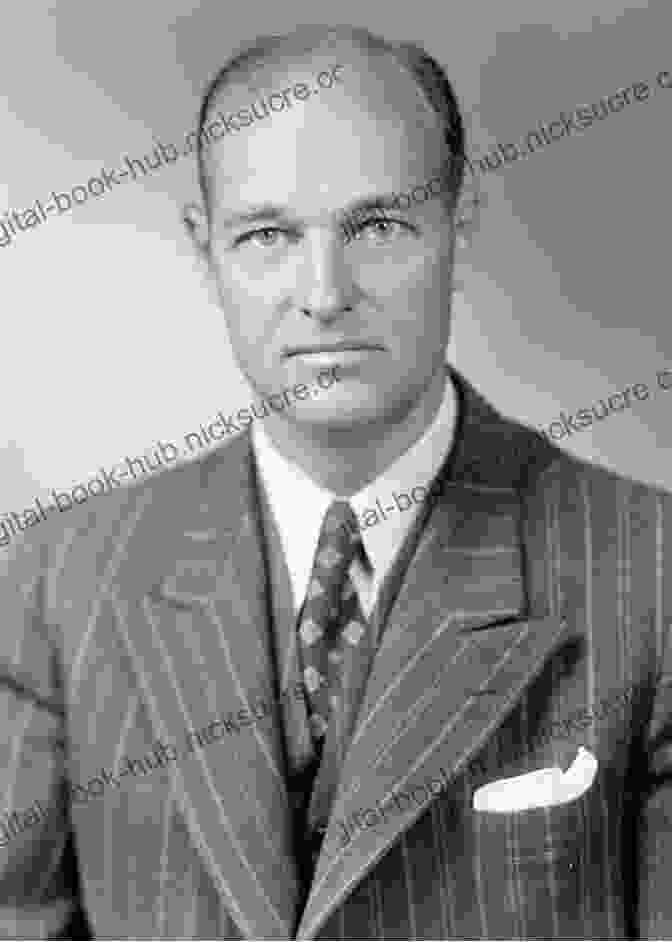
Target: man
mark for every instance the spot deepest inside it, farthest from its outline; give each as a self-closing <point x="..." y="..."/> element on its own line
<point x="451" y="721"/>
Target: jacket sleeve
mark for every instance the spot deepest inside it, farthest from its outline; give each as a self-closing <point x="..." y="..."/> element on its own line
<point x="655" y="834"/>
<point x="37" y="868"/>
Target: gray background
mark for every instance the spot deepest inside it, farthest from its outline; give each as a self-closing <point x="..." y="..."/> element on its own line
<point x="111" y="339"/>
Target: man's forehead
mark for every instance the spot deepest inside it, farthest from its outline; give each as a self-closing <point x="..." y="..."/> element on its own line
<point x="314" y="189"/>
<point x="355" y="139"/>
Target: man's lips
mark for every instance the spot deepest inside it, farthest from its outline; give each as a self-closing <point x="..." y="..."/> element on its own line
<point x="331" y="348"/>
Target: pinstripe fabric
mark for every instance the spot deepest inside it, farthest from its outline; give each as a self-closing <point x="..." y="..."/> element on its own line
<point x="539" y="587"/>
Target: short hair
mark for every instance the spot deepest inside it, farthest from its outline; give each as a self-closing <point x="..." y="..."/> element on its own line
<point x="429" y="76"/>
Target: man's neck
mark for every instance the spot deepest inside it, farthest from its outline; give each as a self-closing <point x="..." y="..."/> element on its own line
<point x="346" y="460"/>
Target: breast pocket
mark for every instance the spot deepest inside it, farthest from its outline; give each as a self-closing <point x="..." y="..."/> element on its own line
<point x="540" y="858"/>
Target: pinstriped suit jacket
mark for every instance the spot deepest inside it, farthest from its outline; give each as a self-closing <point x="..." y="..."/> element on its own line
<point x="541" y="587"/>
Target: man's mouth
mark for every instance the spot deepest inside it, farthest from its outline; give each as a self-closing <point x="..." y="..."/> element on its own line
<point x="326" y="348"/>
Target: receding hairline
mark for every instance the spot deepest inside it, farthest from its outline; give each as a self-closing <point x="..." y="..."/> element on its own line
<point x="273" y="51"/>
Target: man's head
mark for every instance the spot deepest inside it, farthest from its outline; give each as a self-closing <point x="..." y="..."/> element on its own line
<point x="378" y="128"/>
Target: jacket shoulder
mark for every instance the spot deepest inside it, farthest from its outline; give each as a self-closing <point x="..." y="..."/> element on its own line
<point x="99" y="525"/>
<point x="499" y="451"/>
<point x="566" y="472"/>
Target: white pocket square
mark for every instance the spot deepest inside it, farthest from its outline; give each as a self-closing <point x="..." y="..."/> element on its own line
<point x="538" y="789"/>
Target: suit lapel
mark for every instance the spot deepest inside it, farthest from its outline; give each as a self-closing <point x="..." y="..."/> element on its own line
<point x="197" y="631"/>
<point x="459" y="649"/>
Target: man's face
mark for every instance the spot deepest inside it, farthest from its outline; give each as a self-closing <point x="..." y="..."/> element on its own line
<point x="292" y="283"/>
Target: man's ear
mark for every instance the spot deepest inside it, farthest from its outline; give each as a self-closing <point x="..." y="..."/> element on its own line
<point x="467" y="217"/>
<point x="195" y="221"/>
<point x="468" y="208"/>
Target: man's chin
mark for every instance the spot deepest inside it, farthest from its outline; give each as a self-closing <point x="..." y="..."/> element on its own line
<point x="333" y="415"/>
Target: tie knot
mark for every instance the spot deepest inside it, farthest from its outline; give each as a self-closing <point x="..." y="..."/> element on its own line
<point x="339" y="539"/>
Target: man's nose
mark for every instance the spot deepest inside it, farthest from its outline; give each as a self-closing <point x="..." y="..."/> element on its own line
<point x="325" y="286"/>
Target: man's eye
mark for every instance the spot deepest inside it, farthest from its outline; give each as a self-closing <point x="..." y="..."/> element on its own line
<point x="381" y="228"/>
<point x="265" y="238"/>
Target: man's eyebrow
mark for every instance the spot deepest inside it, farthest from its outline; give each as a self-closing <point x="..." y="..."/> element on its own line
<point x="371" y="204"/>
<point x="270" y="212"/>
<point x="266" y="212"/>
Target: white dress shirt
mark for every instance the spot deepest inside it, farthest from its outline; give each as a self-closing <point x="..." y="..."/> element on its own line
<point x="298" y="504"/>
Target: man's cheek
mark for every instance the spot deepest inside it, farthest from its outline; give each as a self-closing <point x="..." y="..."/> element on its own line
<point x="244" y="332"/>
<point x="248" y="318"/>
<point x="414" y="343"/>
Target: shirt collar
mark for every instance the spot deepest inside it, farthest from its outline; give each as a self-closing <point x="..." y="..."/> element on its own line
<point x="298" y="504"/>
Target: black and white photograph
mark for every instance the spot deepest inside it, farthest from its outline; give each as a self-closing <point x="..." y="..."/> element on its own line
<point x="336" y="453"/>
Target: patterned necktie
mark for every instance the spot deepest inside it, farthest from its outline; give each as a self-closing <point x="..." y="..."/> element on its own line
<point x="336" y="650"/>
